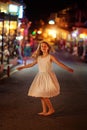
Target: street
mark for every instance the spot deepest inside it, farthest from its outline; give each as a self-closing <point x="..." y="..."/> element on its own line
<point x="19" y="112"/>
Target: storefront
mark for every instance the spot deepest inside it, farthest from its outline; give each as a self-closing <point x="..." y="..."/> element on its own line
<point x="10" y="13"/>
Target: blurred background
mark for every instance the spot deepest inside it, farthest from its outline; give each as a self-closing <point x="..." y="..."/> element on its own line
<point x="24" y="23"/>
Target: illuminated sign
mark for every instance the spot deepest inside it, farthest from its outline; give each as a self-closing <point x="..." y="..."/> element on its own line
<point x="20" y="14"/>
<point x="13" y="8"/>
<point x="16" y="10"/>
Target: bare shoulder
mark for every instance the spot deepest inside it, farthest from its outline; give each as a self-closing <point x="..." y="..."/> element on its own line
<point x="52" y="58"/>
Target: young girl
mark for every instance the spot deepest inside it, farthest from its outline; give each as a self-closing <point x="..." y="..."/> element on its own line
<point x="45" y="85"/>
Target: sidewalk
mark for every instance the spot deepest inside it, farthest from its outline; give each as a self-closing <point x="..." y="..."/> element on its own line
<point x="9" y="69"/>
<point x="6" y="69"/>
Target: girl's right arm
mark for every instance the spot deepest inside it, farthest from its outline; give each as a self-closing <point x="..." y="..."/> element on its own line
<point x="28" y="65"/>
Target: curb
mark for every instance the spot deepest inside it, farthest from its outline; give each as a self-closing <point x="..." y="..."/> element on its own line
<point x="8" y="70"/>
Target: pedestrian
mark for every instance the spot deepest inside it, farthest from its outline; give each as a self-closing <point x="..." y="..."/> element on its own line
<point x="45" y="85"/>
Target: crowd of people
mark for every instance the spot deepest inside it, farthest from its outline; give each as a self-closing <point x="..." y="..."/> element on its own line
<point x="75" y="48"/>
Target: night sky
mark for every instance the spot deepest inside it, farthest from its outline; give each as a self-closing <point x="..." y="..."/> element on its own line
<point x="36" y="9"/>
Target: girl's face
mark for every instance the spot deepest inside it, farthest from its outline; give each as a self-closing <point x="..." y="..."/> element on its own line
<point x="44" y="47"/>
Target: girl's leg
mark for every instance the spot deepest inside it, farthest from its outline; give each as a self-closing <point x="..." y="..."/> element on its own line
<point x="43" y="107"/>
<point x="50" y="107"/>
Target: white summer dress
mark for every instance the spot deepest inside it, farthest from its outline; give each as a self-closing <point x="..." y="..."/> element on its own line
<point x="45" y="83"/>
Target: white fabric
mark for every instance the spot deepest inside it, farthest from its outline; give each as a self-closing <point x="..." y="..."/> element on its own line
<point x="45" y="83"/>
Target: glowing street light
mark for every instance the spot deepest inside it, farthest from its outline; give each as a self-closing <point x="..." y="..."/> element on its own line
<point x="51" y="22"/>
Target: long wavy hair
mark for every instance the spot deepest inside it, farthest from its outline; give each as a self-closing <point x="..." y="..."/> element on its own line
<point x="38" y="51"/>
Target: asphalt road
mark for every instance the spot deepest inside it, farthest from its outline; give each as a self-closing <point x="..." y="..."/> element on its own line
<point x="19" y="112"/>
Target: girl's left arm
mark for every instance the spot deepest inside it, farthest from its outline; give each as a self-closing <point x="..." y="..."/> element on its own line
<point x="61" y="64"/>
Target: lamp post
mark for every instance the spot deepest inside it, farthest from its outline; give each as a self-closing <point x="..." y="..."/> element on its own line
<point x="8" y="67"/>
<point x="2" y="47"/>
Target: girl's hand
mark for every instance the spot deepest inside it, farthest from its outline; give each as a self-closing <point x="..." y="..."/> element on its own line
<point x="20" y="68"/>
<point x="70" y="70"/>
